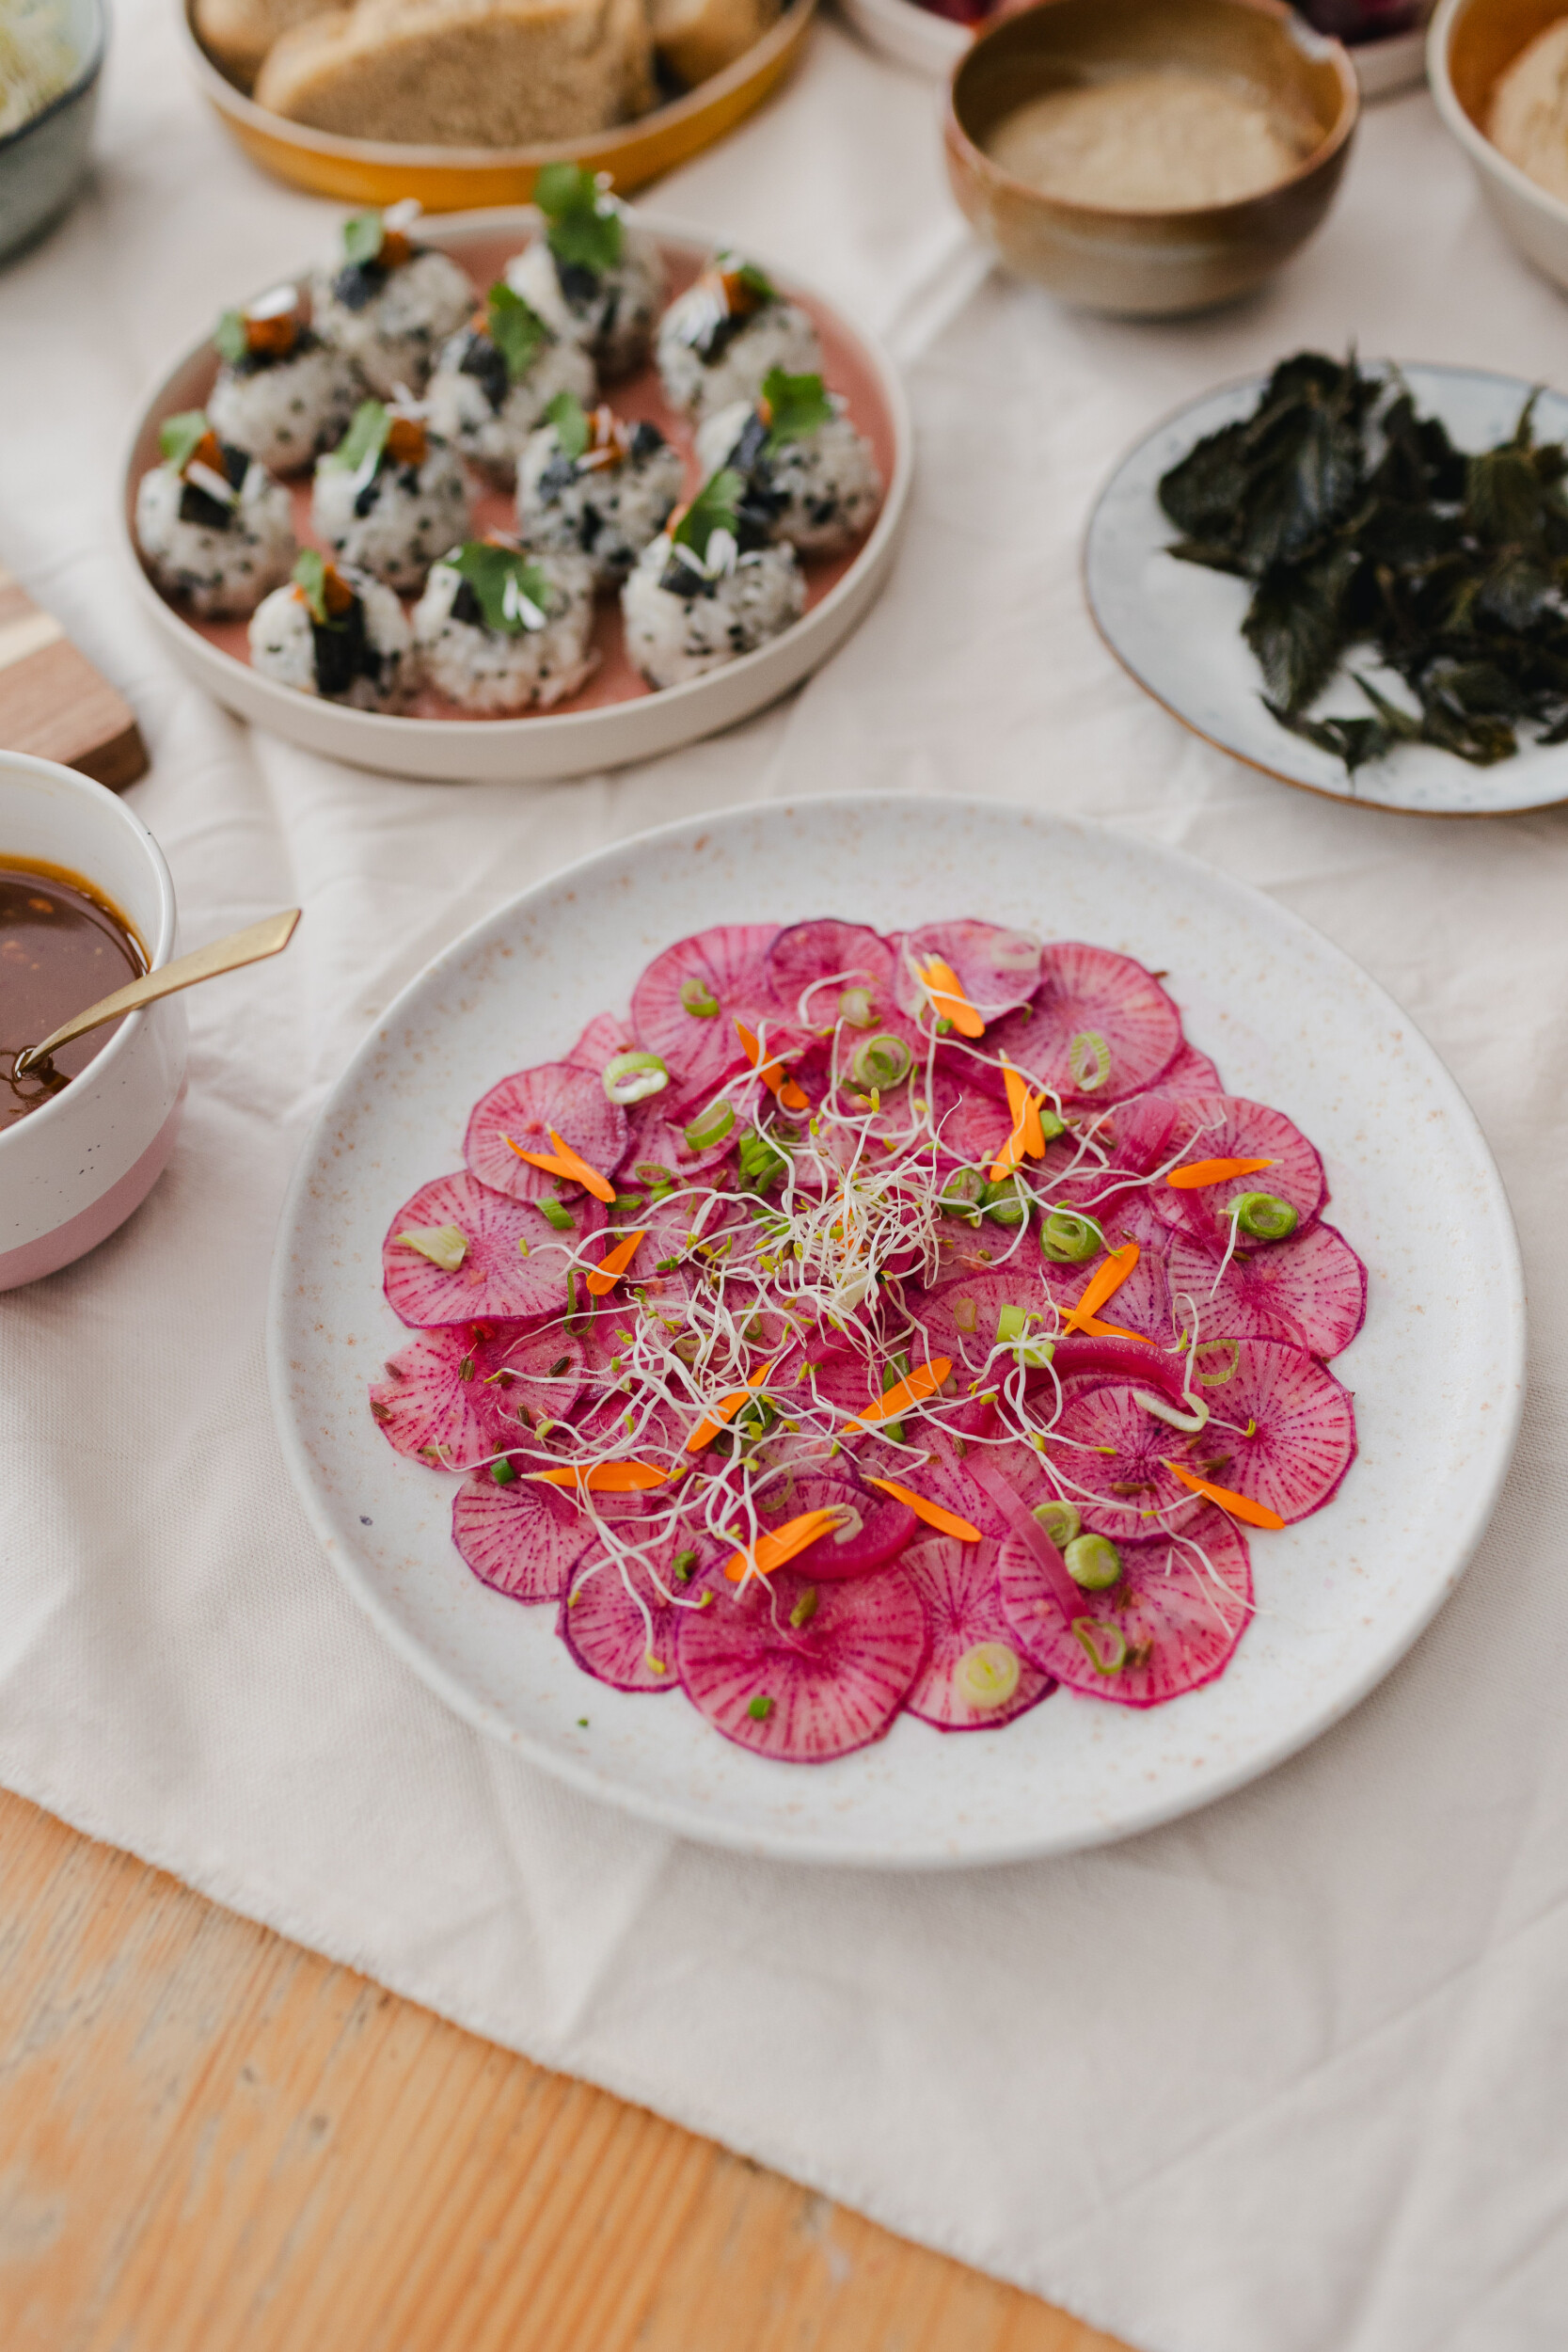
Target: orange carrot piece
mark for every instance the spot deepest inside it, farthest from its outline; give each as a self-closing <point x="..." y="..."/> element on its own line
<point x="1200" y="1172"/>
<point x="945" y="1522"/>
<point x="725" y="1411"/>
<point x="1027" y="1134"/>
<point x="1104" y="1282"/>
<point x="1091" y="1327"/>
<point x="772" y="1073"/>
<point x="564" y="1161"/>
<point x="945" y="991"/>
<point x="1239" y="1506"/>
<point x="923" y="1381"/>
<point x="614" y="1262"/>
<point x="602" y="1478"/>
<point x="773" y="1551"/>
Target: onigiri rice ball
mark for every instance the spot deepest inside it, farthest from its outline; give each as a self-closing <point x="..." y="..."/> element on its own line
<point x="681" y="625"/>
<point x="487" y="406"/>
<point x="394" y="512"/>
<point x="391" y="312"/>
<point x="610" y="303"/>
<point x="819" y="491"/>
<point x="607" y="503"/>
<point x="728" y="330"/>
<point x="361" y="655"/>
<point x="216" y="532"/>
<point x="282" y="392"/>
<point x="540" y="653"/>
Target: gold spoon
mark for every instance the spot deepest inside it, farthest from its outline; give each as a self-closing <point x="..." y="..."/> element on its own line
<point x="225" y="955"/>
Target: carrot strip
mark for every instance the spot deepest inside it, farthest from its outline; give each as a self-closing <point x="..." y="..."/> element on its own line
<point x="565" y="1162"/>
<point x="945" y="991"/>
<point x="602" y="1478"/>
<point x="923" y="1381"/>
<point x="1091" y="1327"/>
<point x="1239" y="1506"/>
<point x="1104" y="1282"/>
<point x="725" y="1411"/>
<point x="772" y="1073"/>
<point x="614" y="1262"/>
<point x="1200" y="1172"/>
<point x="772" y="1551"/>
<point x="1027" y="1134"/>
<point x="945" y="1522"/>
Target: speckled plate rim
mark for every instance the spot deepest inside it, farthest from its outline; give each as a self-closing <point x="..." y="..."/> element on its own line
<point x="324" y="1276"/>
<point x="546" y="745"/>
<point x="1204" y="412"/>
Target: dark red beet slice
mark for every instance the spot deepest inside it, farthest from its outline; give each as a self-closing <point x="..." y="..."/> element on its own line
<point x="555" y="1094"/>
<point x="960" y="1590"/>
<point x="523" y="1539"/>
<point x="1173" y="1621"/>
<point x="885" y="1526"/>
<point x="727" y="964"/>
<point x="451" y="1397"/>
<point x="808" y="954"/>
<point x="495" y="1280"/>
<point x="996" y="968"/>
<point x="1128" y="1027"/>
<point x="1309" y="1290"/>
<point x="602" y="1610"/>
<point x="809" y="1692"/>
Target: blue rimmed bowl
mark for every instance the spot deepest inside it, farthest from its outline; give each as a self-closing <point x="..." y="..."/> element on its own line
<point x="44" y="164"/>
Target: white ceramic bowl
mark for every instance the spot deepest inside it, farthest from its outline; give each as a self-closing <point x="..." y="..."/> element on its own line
<point x="73" y="1169"/>
<point x="1470" y="43"/>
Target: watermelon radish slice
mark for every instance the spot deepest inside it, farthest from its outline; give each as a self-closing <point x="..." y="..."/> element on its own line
<point x="808" y="1692"/>
<point x="1099" y="1028"/>
<point x="726" y="966"/>
<point x="1309" y="1290"/>
<point x="1171" y="1625"/>
<point x="1220" y="1127"/>
<point x="521" y="1539"/>
<point x="453" y="1397"/>
<point x="606" y="1034"/>
<point x="961" y="1317"/>
<point x="808" y="954"/>
<point x="602" y="1611"/>
<point x="961" y="1595"/>
<point x="1143" y="1302"/>
<point x="1282" y="1429"/>
<point x="996" y="968"/>
<point x="1191" y="1073"/>
<point x="525" y="1107"/>
<point x="878" y="1531"/>
<point x="1112" y="1457"/>
<point x="495" y="1280"/>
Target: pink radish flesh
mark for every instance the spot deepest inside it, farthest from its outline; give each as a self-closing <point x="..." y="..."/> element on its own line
<point x="1191" y="1073"/>
<point x="522" y="1539"/>
<point x="525" y="1107"/>
<point x="804" y="1693"/>
<point x="1088" y="994"/>
<point x="1282" y="1429"/>
<point x="961" y="1595"/>
<point x="606" y="1035"/>
<point x="495" y="1278"/>
<point x="996" y="968"/>
<point x="1173" y="1621"/>
<point x="727" y="966"/>
<point x="1309" y="1290"/>
<point x="1221" y="1127"/>
<point x="808" y="954"/>
<point x="451" y="1397"/>
<point x="602" y="1611"/>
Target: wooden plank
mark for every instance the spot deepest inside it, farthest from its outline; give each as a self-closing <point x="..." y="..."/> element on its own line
<point x="213" y="2142"/>
<point x="53" y="702"/>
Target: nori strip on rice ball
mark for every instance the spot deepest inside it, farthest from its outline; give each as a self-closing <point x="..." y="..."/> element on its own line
<point x="496" y="378"/>
<point x="709" y="590"/>
<point x="810" y="477"/>
<point x="336" y="632"/>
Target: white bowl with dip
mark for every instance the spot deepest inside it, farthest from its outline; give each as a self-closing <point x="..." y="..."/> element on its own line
<point x="1470" y="49"/>
<point x="73" y="1170"/>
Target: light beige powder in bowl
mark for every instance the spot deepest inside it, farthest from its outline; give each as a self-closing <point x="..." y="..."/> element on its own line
<point x="1160" y="142"/>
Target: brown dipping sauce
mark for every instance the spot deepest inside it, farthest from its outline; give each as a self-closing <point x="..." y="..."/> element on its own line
<point x="62" y="946"/>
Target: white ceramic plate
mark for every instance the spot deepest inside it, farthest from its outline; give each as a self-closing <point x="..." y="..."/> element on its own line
<point x="1437" y="1371"/>
<point x="615" y="717"/>
<point x="1178" y="627"/>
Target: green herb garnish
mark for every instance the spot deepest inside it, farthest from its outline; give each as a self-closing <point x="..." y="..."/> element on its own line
<point x="514" y="593"/>
<point x="365" y="439"/>
<point x="584" y="227"/>
<point x="570" y="419"/>
<point x="519" y="333"/>
<point x="1360" y="524"/>
<point x="715" y="508"/>
<point x="230" y="339"/>
<point x="310" y="573"/>
<point x="555" y="1212"/>
<point x="180" y="437"/>
<point x="756" y="283"/>
<point x="363" y="236"/>
<point x="798" y="408"/>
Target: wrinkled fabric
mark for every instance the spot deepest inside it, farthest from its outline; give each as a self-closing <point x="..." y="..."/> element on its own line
<point x="1286" y="2077"/>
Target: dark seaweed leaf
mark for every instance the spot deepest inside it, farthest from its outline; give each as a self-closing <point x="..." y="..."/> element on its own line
<point x="1295" y="625"/>
<point x="1354" y="740"/>
<point x="1203" y="494"/>
<point x="1217" y="558"/>
<point x="1515" y="592"/>
<point x="1503" y="501"/>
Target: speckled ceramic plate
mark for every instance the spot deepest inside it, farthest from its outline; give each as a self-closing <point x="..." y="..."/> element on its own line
<point x="1437" y="1372"/>
<point x="1178" y="627"/>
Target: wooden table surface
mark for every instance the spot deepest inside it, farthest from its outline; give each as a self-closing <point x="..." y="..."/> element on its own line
<point x="210" y="2140"/>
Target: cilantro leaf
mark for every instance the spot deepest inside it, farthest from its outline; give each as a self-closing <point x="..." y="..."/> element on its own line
<point x="362" y="236"/>
<point x="570" y="419"/>
<point x="714" y="508"/>
<point x="512" y="593"/>
<point x="798" y="408"/>
<point x="178" y="437"/>
<point x="519" y="333"/>
<point x="584" y="227"/>
<point x="310" y="573"/>
<point x="230" y="338"/>
<point x="756" y="282"/>
<point x="365" y="438"/>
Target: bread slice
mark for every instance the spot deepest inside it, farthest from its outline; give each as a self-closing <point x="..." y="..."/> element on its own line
<point x="463" y="73"/>
<point x="237" y="34"/>
<point x="697" y="38"/>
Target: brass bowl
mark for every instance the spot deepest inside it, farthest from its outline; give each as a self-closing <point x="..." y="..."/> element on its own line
<point x="1140" y="264"/>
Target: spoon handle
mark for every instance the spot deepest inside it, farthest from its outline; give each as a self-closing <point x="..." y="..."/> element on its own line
<point x="225" y="955"/>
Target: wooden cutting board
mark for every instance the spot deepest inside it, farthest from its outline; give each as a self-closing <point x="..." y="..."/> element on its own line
<point x="53" y="704"/>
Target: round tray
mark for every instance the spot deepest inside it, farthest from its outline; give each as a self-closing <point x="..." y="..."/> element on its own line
<point x="460" y="179"/>
<point x="615" y="717"/>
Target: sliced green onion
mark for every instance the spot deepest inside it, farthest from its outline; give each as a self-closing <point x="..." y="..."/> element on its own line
<point x="1263" y="1215"/>
<point x="632" y="1077"/>
<point x="557" y="1214"/>
<point x="987" y="1676"/>
<point x="710" y="1127"/>
<point x="1069" y="1240"/>
<point x="759" y="1709"/>
<point x="650" y="1172"/>
<point x="855" y="1009"/>
<point x="1094" y="1562"/>
<point x="1051" y="1126"/>
<point x="964" y="1193"/>
<point x="1103" y="1644"/>
<point x="882" y="1061"/>
<point x="502" y="1472"/>
<point x="1007" y="1202"/>
<point x="685" y="1563"/>
<point x="1189" y="1422"/>
<point x="761" y="1166"/>
<point x="1088" y="1057"/>
<point x="572" y="1324"/>
<point x="1012" y="1327"/>
<point x="965" y="1314"/>
<point x="445" y="1245"/>
<point x="627" y="1200"/>
<point x="699" y="999"/>
<point x="1060" y="1522"/>
<point x="803" y="1610"/>
<point x="1230" y="1354"/>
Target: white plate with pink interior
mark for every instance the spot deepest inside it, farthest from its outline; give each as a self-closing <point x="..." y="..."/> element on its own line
<point x="1436" y="1370"/>
<point x="615" y="717"/>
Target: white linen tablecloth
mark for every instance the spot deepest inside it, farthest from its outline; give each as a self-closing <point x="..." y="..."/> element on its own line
<point x="1289" y="2076"/>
